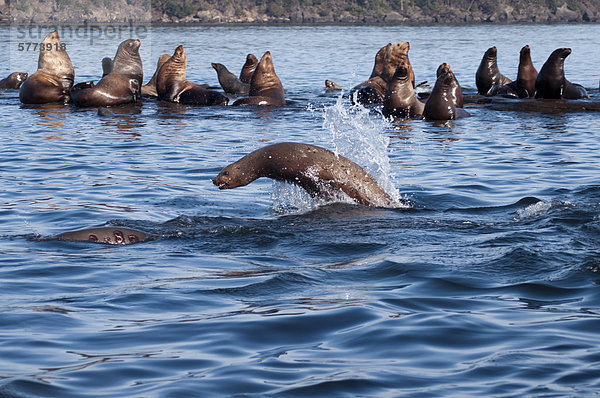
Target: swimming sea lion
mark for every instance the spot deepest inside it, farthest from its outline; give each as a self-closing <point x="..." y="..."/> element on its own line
<point x="149" y="89"/>
<point x="248" y="68"/>
<point x="54" y="77"/>
<point x="13" y="81"/>
<point x="107" y="66"/>
<point x="230" y="82"/>
<point x="121" y="86"/>
<point x="108" y="235"/>
<point x="319" y="171"/>
<point x="173" y="86"/>
<point x="455" y="89"/>
<point x="401" y="100"/>
<point x="331" y="86"/>
<point x="488" y="74"/>
<point x="440" y="105"/>
<point x="551" y="82"/>
<point x="265" y="86"/>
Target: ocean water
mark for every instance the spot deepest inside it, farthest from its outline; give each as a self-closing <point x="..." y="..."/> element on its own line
<point x="484" y="284"/>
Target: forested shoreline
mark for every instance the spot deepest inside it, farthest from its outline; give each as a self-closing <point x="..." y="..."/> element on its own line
<point x="209" y="12"/>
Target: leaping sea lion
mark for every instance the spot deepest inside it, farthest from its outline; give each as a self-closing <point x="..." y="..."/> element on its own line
<point x="319" y="171"/>
<point x="13" y="81"/>
<point x="230" y="82"/>
<point x="173" y="86"/>
<point x="121" y="86"/>
<point x="54" y="77"/>
<point x="149" y="89"/>
<point x="265" y="86"/>
<point x="248" y="68"/>
<point x="488" y="75"/>
<point x="551" y="82"/>
<point x="108" y="235"/>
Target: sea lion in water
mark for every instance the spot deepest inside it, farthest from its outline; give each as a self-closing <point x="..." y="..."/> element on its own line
<point x="248" y="68"/>
<point x="455" y="89"/>
<point x="107" y="66"/>
<point x="230" y="82"/>
<point x="121" y="86"/>
<point x="265" y="86"/>
<point x="108" y="235"/>
<point x="331" y="86"/>
<point x="54" y="77"/>
<point x="551" y="82"/>
<point x="440" y="105"/>
<point x="173" y="86"/>
<point x="319" y="171"/>
<point x="388" y="58"/>
<point x="401" y="100"/>
<point x="149" y="89"/>
<point x="13" y="81"/>
<point x="488" y="74"/>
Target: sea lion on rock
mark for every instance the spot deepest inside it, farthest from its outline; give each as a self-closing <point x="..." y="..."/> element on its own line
<point x="121" y="86"/>
<point x="455" y="89"/>
<point x="440" y="105"/>
<point x="248" y="68"/>
<point x="13" y="81"/>
<point x="230" y="82"/>
<point x="173" y="86"/>
<point x="108" y="235"/>
<point x="526" y="74"/>
<point x="149" y="89"/>
<point x="107" y="66"/>
<point x="401" y="100"/>
<point x="54" y="77"/>
<point x="265" y="86"/>
<point x="551" y="82"/>
<point x="488" y="74"/>
<point x="319" y="171"/>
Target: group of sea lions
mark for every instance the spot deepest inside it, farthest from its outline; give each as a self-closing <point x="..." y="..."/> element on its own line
<point x="549" y="83"/>
<point x="319" y="171"/>
<point x="121" y="81"/>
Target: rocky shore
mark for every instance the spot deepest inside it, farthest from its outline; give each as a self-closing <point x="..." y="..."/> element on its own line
<point x="213" y="12"/>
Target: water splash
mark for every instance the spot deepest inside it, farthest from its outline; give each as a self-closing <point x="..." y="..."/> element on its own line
<point x="360" y="135"/>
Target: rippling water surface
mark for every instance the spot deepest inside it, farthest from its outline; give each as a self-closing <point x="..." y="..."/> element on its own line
<point x="484" y="284"/>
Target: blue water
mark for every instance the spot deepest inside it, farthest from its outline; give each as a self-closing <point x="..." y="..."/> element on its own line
<point x="484" y="284"/>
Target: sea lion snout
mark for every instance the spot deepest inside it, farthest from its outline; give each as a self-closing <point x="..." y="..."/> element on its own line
<point x="220" y="181"/>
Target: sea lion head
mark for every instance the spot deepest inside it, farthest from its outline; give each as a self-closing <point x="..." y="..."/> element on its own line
<point x="54" y="59"/>
<point x="16" y="79"/>
<point x="561" y="53"/>
<point x="443" y="68"/>
<point x="235" y="175"/>
<point x="526" y="50"/>
<point x="491" y="53"/>
<point x="329" y="85"/>
<point x="396" y="53"/>
<point x="107" y="66"/>
<point x="218" y="67"/>
<point x="401" y="72"/>
<point x="127" y="59"/>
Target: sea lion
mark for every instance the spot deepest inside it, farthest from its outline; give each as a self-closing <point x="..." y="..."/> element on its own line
<point x="108" y="235"/>
<point x="265" y="86"/>
<point x="331" y="86"/>
<point x="121" y="86"/>
<point x="230" y="82"/>
<point x="54" y="77"/>
<point x="526" y="74"/>
<point x="13" y="81"/>
<point x="149" y="89"/>
<point x="173" y="86"/>
<point x="455" y="89"/>
<point x="440" y="105"/>
<point x="248" y="68"/>
<point x="551" y="82"/>
<point x="401" y="101"/>
<point x="107" y="66"/>
<point x="388" y="58"/>
<point x="488" y="74"/>
<point x="319" y="171"/>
